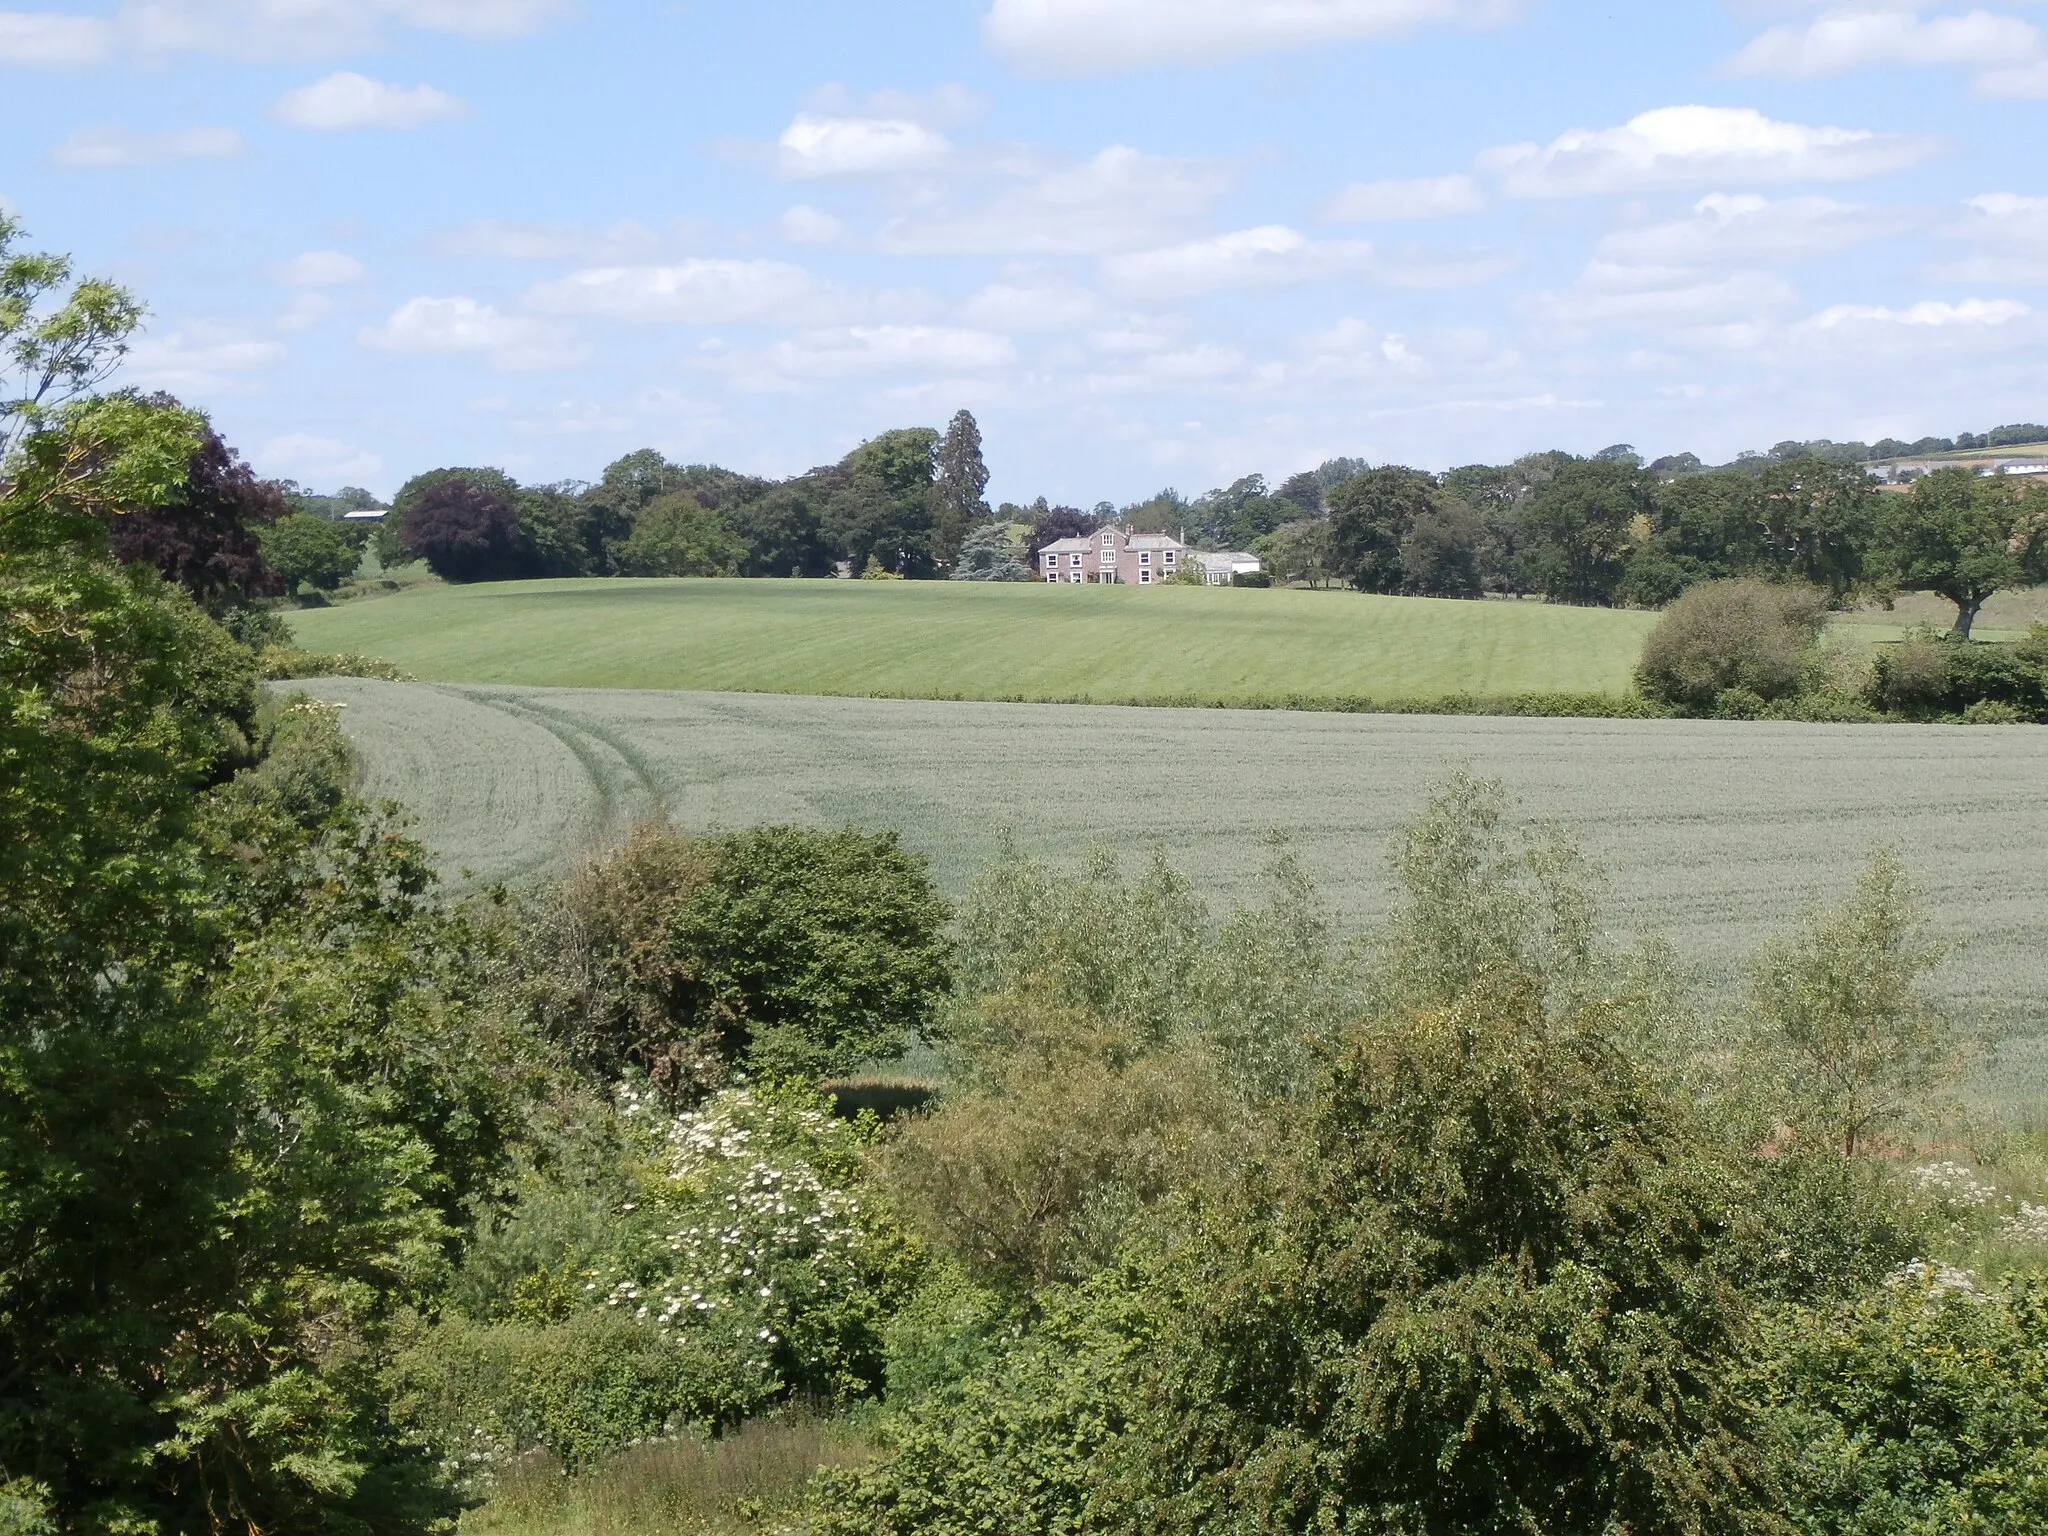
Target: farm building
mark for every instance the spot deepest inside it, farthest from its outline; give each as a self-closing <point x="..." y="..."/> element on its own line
<point x="1113" y="556"/>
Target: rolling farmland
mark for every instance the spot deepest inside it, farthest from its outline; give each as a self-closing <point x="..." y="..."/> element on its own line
<point x="945" y="640"/>
<point x="1714" y="833"/>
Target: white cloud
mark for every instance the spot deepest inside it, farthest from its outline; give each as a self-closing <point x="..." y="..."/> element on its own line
<point x="701" y="291"/>
<point x="1034" y="307"/>
<point x="2011" y="236"/>
<point x="1665" y="299"/>
<point x="496" y="239"/>
<point x="445" y="327"/>
<point x="1434" y="197"/>
<point x="1918" y="334"/>
<point x="46" y="40"/>
<point x="813" y="146"/>
<point x="320" y="269"/>
<point x="1084" y="37"/>
<point x="1677" y="147"/>
<point x="2024" y="81"/>
<point x="304" y="312"/>
<point x="859" y="350"/>
<point x="1743" y="230"/>
<point x="1118" y="199"/>
<point x="1269" y="256"/>
<point x="1928" y="313"/>
<point x="1858" y="37"/>
<point x="804" y="225"/>
<point x="346" y="100"/>
<point x="110" y="147"/>
<point x="201" y="359"/>
<point x="315" y="461"/>
<point x="255" y="29"/>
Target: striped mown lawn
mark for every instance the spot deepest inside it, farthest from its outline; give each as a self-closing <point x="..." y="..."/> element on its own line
<point x="979" y="640"/>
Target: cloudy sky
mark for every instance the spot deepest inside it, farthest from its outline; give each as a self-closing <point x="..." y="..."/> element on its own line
<point x="1146" y="241"/>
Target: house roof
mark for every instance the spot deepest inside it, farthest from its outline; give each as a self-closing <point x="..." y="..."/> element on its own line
<point x="1225" y="557"/>
<point x="1068" y="546"/>
<point x="1155" y="541"/>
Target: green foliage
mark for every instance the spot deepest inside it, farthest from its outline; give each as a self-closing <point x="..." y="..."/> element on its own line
<point x="811" y="952"/>
<point x="284" y="663"/>
<point x="51" y="353"/>
<point x="1931" y="677"/>
<point x="987" y="554"/>
<point x="1579" y="531"/>
<point x="688" y="1270"/>
<point x="1965" y="538"/>
<point x="1727" y="635"/>
<point x="1917" y="1409"/>
<point x="583" y="1389"/>
<point x="676" y="536"/>
<point x="309" y="551"/>
<point x="1842" y="1005"/>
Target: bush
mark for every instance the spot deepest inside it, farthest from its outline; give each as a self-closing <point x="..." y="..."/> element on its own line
<point x="583" y="1390"/>
<point x="1251" y="579"/>
<point x="690" y="1269"/>
<point x="1921" y="1408"/>
<point x="283" y="663"/>
<point x="812" y="952"/>
<point x="1929" y="676"/>
<point x="1732" y="635"/>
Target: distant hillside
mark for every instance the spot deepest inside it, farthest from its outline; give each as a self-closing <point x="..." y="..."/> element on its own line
<point x="2017" y="435"/>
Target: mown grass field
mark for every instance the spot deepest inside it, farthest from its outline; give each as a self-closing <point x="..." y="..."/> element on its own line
<point x="981" y="641"/>
<point x="1715" y="834"/>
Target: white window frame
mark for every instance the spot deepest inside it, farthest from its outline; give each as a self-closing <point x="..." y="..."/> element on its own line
<point x="1144" y="578"/>
<point x="1144" y="557"/>
<point x="1076" y="578"/>
<point x="1076" y="560"/>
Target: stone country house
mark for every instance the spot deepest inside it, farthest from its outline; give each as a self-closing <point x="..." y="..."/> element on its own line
<point x="1116" y="556"/>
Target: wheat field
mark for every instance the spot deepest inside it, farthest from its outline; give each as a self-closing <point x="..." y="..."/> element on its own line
<point x="1714" y="834"/>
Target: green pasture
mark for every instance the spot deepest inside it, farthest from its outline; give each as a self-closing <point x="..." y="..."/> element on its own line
<point x="981" y="640"/>
<point x="1714" y="834"/>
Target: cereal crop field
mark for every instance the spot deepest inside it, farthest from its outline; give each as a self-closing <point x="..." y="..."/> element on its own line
<point x="979" y="640"/>
<point x="1715" y="834"/>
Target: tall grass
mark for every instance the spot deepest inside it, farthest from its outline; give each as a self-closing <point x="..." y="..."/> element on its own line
<point x="751" y="1480"/>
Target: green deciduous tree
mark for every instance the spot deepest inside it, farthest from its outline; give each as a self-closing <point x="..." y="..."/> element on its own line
<point x="810" y="952"/>
<point x="1842" y="1005"/>
<point x="53" y="350"/>
<point x="309" y="551"/>
<point x="1370" y="515"/>
<point x="1579" y="530"/>
<point x="674" y="535"/>
<point x="1964" y="537"/>
<point x="1723" y="635"/>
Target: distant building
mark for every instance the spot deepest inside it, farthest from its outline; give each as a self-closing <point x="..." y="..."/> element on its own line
<point x="1113" y="557"/>
<point x="365" y="515"/>
<point x="1219" y="565"/>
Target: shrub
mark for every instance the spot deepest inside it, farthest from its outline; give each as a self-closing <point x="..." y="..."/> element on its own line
<point x="1929" y="676"/>
<point x="283" y="663"/>
<point x="1728" y="635"/>
<point x="583" y="1389"/>
<point x="1251" y="579"/>
<point x="603" y="974"/>
<point x="1992" y="712"/>
<point x="812" y="952"/>
<point x="1920" y="1408"/>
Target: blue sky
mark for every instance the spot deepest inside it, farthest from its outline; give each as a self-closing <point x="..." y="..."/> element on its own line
<point x="1147" y="242"/>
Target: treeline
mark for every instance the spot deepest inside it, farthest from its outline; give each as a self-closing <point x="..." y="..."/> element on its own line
<point x="903" y="502"/>
<point x="1610" y="531"/>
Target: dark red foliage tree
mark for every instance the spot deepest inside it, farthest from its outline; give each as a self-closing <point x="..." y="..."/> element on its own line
<point x="205" y="539"/>
<point x="466" y="533"/>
